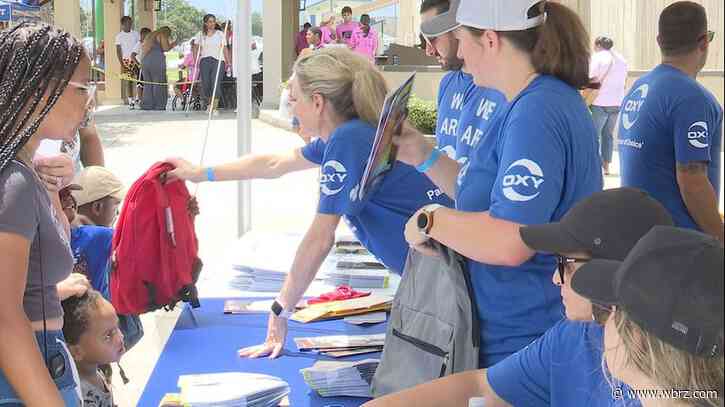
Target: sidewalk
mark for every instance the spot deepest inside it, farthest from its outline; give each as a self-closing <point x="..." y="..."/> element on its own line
<point x="134" y="140"/>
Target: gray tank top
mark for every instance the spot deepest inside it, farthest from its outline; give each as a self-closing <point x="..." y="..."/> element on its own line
<point x="26" y="210"/>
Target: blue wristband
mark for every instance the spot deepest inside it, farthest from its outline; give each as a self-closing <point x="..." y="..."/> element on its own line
<point x="210" y="174"/>
<point x="434" y="156"/>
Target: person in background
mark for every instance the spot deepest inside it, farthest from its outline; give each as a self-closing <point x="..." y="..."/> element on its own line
<point x="126" y="41"/>
<point x="301" y="39"/>
<point x="345" y="31"/>
<point x="563" y="367"/>
<point x="664" y="338"/>
<point x="90" y="325"/>
<point x="327" y="26"/>
<point x="365" y="39"/>
<point x="610" y="70"/>
<point x="456" y="86"/>
<point x="210" y="46"/>
<point x="137" y="55"/>
<point x="465" y="110"/>
<point x="670" y="127"/>
<point x="530" y="168"/>
<point x="314" y="38"/>
<point x="154" y="69"/>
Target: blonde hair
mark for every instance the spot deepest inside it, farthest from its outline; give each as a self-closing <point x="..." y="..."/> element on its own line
<point x="667" y="366"/>
<point x="352" y="85"/>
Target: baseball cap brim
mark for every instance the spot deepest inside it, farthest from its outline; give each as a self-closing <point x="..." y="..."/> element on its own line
<point x="550" y="238"/>
<point x="595" y="281"/>
<point x="120" y="194"/>
<point x="441" y="24"/>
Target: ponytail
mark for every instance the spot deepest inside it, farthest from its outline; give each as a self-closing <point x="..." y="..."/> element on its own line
<point x="559" y="46"/>
<point x="348" y="81"/>
<point x="368" y="94"/>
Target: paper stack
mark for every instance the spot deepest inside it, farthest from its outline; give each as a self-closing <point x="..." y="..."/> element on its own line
<point x="357" y="270"/>
<point x="333" y="379"/>
<point x="342" y="345"/>
<point x="345" y="308"/>
<point x="263" y="261"/>
<point x="232" y="389"/>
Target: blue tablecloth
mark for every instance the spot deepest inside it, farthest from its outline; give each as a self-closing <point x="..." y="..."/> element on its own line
<point x="206" y="340"/>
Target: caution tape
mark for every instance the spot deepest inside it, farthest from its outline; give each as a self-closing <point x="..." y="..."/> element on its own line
<point x="125" y="77"/>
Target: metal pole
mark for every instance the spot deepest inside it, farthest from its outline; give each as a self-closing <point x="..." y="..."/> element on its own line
<point x="242" y="41"/>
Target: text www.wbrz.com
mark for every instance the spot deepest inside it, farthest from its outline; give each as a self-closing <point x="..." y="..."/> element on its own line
<point x="620" y="394"/>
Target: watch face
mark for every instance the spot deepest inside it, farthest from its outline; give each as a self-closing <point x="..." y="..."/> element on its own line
<point x="422" y="221"/>
<point x="276" y="308"/>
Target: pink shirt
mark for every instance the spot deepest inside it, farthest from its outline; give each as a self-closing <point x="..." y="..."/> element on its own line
<point x="301" y="41"/>
<point x="366" y="45"/>
<point x="614" y="79"/>
<point x="346" y="31"/>
<point x="190" y="64"/>
<point x="327" y="35"/>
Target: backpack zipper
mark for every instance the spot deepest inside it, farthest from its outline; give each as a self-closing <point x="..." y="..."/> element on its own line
<point x="425" y="347"/>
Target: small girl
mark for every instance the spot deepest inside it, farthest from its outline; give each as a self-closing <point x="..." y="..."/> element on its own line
<point x="90" y="326"/>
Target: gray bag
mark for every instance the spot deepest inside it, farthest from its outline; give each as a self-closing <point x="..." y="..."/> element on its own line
<point x="433" y="326"/>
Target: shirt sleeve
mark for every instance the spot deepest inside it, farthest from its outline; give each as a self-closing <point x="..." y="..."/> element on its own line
<point x="314" y="152"/>
<point x="532" y="164"/>
<point x="340" y="175"/>
<point x="524" y="378"/>
<point x="118" y="39"/>
<point x="693" y="125"/>
<point x="18" y="204"/>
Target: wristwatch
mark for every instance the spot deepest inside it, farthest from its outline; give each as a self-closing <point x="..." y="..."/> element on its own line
<point x="425" y="218"/>
<point x="279" y="311"/>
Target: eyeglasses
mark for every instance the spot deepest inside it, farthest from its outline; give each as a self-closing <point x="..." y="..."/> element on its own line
<point x="562" y="262"/>
<point x="90" y="90"/>
<point x="710" y="35"/>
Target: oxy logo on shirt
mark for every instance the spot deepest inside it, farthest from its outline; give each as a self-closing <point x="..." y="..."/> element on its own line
<point x="332" y="177"/>
<point x="697" y="135"/>
<point x="522" y="181"/>
<point x="633" y="105"/>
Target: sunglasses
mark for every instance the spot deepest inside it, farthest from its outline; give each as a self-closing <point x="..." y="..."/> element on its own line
<point x="90" y="90"/>
<point x="562" y="262"/>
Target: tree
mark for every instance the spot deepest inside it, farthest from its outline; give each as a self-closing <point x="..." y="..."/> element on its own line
<point x="184" y="19"/>
<point x="257" y="24"/>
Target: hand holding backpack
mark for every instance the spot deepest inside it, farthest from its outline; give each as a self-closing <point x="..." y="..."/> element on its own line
<point x="155" y="250"/>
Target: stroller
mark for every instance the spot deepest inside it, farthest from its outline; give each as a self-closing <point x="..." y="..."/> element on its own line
<point x="183" y="95"/>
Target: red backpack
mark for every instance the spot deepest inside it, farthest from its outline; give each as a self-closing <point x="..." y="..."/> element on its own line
<point x="155" y="261"/>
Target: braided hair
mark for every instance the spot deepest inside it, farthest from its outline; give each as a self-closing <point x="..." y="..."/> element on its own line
<point x="35" y="59"/>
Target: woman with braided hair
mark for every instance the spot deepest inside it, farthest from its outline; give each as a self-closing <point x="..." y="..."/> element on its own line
<point x="44" y="94"/>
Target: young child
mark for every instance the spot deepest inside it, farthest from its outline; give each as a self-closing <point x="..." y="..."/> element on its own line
<point x="90" y="326"/>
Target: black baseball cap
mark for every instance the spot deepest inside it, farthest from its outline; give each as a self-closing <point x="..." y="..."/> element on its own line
<point x="670" y="284"/>
<point x="606" y="225"/>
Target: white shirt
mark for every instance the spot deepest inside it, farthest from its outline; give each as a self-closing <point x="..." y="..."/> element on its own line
<point x="612" y="68"/>
<point x="127" y="41"/>
<point x="211" y="46"/>
<point x="138" y="50"/>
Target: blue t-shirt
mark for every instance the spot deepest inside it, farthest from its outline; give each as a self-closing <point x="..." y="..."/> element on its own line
<point x="563" y="368"/>
<point x="538" y="161"/>
<point x="378" y="219"/>
<point x="480" y="111"/>
<point x="91" y="246"/>
<point x="455" y="90"/>
<point x="668" y="118"/>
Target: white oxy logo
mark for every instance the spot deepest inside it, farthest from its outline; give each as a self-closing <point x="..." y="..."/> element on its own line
<point x="698" y="135"/>
<point x="633" y="105"/>
<point x="522" y="181"/>
<point x="332" y="177"/>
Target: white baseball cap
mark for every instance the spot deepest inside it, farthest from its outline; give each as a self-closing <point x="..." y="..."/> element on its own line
<point x="500" y="15"/>
<point x="442" y="23"/>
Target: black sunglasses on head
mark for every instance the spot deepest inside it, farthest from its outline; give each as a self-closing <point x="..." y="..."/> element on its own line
<point x="710" y="35"/>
